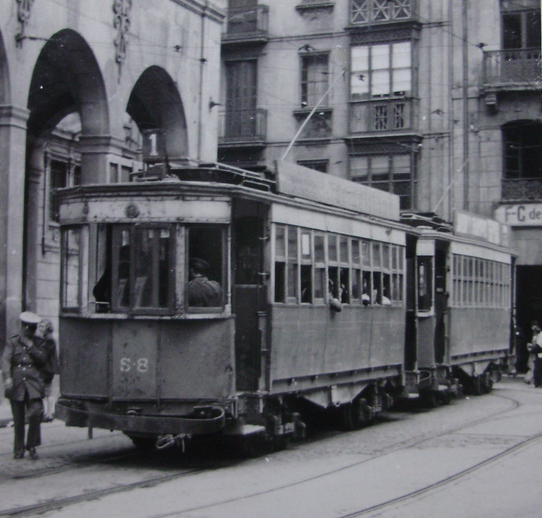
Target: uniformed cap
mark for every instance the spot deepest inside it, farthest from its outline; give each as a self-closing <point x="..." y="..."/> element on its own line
<point x="201" y="265"/>
<point x="29" y="318"/>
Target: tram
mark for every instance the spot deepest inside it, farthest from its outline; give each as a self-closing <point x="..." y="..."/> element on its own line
<point x="324" y="301"/>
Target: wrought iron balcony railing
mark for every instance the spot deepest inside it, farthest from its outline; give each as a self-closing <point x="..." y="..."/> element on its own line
<point x="243" y="125"/>
<point x="522" y="189"/>
<point x="382" y="115"/>
<point x="247" y="22"/>
<point x="365" y="12"/>
<point x="512" y="67"/>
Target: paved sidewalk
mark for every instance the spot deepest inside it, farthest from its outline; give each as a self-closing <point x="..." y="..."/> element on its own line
<point x="5" y="412"/>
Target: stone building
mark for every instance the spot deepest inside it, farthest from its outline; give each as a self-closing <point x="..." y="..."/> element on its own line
<point x="81" y="82"/>
<point x="435" y="100"/>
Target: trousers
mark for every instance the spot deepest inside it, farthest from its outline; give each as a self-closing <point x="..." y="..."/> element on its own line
<point x="33" y="409"/>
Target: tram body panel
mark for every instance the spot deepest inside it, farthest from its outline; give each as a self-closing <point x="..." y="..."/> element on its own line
<point x="356" y="338"/>
<point x="84" y="357"/>
<point x="197" y="359"/>
<point x="478" y="330"/>
<point x="144" y="360"/>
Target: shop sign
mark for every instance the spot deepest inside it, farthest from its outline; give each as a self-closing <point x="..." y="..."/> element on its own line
<point x="520" y="215"/>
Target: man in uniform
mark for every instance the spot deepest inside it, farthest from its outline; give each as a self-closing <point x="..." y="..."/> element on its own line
<point x="21" y="361"/>
<point x="202" y="292"/>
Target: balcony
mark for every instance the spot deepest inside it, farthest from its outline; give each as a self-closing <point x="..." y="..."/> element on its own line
<point x="248" y="24"/>
<point x="522" y="189"/>
<point x="243" y="127"/>
<point x="512" y="70"/>
<point x="371" y="12"/>
<point x="397" y="115"/>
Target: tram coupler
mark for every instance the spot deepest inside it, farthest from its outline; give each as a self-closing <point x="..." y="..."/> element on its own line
<point x="169" y="440"/>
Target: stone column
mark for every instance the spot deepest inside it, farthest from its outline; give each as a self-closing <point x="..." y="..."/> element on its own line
<point x="95" y="151"/>
<point x="13" y="121"/>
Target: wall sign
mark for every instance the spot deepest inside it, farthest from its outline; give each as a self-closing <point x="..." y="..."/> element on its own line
<point x="520" y="215"/>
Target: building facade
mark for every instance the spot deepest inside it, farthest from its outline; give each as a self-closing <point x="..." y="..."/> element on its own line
<point x="81" y="82"/>
<point x="437" y="101"/>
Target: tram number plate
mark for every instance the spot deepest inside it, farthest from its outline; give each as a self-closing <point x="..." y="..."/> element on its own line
<point x="139" y="364"/>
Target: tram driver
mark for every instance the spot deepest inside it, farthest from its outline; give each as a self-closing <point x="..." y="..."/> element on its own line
<point x="202" y="292"/>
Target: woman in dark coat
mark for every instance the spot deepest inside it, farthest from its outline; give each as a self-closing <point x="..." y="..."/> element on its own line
<point x="22" y="360"/>
<point x="48" y="371"/>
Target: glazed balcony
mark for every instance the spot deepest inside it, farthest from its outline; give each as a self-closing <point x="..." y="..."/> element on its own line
<point x="248" y="126"/>
<point x="249" y="24"/>
<point x="383" y="115"/>
<point x="522" y="189"/>
<point x="512" y="70"/>
<point x="376" y="12"/>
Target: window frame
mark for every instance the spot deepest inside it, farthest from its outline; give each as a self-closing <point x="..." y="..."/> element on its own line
<point x="64" y="273"/>
<point x="311" y="90"/>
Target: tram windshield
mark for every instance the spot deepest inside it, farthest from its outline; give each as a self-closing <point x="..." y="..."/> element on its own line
<point x="144" y="269"/>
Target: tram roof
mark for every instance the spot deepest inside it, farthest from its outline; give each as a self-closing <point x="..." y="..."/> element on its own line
<point x="297" y="181"/>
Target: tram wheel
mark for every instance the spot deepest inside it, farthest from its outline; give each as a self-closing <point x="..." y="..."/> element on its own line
<point x="350" y="416"/>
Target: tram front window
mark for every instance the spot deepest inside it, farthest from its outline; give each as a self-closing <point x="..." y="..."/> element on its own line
<point x="134" y="267"/>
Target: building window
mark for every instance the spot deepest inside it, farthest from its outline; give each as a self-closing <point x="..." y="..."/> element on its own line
<point x="391" y="173"/>
<point x="522" y="150"/>
<point x="381" y="71"/>
<point x="314" y="79"/>
<point x="521" y="30"/>
<point x="61" y="174"/>
<point x="380" y="11"/>
<point x="317" y="165"/>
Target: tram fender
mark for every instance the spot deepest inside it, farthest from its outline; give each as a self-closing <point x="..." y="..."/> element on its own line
<point x="142" y="423"/>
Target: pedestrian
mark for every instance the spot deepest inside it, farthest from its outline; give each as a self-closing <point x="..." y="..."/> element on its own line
<point x="22" y="360"/>
<point x="48" y="371"/>
<point x="536" y="351"/>
<point x="529" y="376"/>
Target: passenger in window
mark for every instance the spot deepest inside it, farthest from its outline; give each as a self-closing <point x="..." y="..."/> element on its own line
<point x="202" y="292"/>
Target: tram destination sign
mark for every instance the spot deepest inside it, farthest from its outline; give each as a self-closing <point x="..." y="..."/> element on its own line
<point x="520" y="215"/>
<point x="302" y="182"/>
<point x="473" y="225"/>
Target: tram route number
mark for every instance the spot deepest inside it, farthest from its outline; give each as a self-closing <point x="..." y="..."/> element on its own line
<point x="141" y="364"/>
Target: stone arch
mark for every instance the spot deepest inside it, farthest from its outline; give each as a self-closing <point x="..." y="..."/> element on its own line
<point x="155" y="103"/>
<point x="66" y="81"/>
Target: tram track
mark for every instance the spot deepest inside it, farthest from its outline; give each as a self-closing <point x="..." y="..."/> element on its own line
<point x="42" y="507"/>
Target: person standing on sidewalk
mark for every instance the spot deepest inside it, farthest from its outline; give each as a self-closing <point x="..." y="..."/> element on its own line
<point x="48" y="371"/>
<point x="22" y="360"/>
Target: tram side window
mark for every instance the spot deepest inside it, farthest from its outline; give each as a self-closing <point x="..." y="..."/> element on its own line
<point x="356" y="271"/>
<point x="425" y="283"/>
<point x="306" y="266"/>
<point x="319" y="268"/>
<point x="367" y="287"/>
<point x="293" y="265"/>
<point x="71" y="268"/>
<point x="205" y="288"/>
<point x="280" y="264"/>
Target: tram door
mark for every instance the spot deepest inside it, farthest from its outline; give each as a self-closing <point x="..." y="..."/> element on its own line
<point x="441" y="300"/>
<point x="249" y="294"/>
<point x="411" y="328"/>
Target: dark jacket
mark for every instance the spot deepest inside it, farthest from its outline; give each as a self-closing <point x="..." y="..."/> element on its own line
<point x="204" y="293"/>
<point x="50" y="368"/>
<point x="23" y="363"/>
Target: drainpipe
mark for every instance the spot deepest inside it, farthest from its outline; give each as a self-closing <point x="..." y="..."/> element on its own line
<point x="202" y="62"/>
<point x="465" y="106"/>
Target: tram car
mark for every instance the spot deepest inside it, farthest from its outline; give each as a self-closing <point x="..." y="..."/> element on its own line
<point x="218" y="301"/>
<point x="463" y="318"/>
